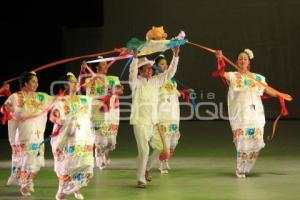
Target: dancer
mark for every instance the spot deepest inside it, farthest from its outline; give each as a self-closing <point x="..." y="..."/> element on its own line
<point x="28" y="110"/>
<point x="246" y="111"/>
<point x="72" y="141"/>
<point x="105" y="91"/>
<point x="144" y="117"/>
<point x="168" y="113"/>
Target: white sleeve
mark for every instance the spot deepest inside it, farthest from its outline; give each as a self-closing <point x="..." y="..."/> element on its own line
<point x="133" y="73"/>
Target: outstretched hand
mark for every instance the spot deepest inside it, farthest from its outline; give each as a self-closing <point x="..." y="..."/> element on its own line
<point x="287" y="97"/>
<point x="219" y="54"/>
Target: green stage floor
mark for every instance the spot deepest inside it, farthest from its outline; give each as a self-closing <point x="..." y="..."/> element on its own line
<point x="203" y="168"/>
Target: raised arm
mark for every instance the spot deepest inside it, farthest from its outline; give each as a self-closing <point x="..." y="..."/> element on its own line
<point x="170" y="72"/>
<point x="133" y="73"/>
<point x="83" y="76"/>
<point x="275" y="94"/>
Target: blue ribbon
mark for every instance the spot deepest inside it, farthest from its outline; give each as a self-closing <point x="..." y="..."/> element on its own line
<point x="44" y="142"/>
<point x="127" y="63"/>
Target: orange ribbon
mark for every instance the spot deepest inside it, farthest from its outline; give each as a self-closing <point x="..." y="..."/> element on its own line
<point x="66" y="60"/>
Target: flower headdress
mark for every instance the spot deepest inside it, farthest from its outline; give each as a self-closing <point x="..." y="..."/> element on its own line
<point x="249" y="53"/>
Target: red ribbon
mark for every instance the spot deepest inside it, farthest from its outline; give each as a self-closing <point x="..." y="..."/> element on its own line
<point x="221" y="70"/>
<point x="185" y="95"/>
<point x="163" y="156"/>
<point x="56" y="131"/>
<point x="106" y="101"/>
<point x="6" y="116"/>
<point x="284" y="112"/>
<point x="5" y="91"/>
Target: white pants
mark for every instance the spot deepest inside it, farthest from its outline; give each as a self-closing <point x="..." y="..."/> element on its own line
<point x="145" y="135"/>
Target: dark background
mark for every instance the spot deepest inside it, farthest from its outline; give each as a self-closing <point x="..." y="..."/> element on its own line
<point x="35" y="33"/>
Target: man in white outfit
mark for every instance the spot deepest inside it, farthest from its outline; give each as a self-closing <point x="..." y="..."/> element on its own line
<point x="144" y="118"/>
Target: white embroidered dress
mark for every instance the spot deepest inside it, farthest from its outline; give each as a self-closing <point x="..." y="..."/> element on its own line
<point x="72" y="142"/>
<point x="26" y="135"/>
<point x="246" y="111"/>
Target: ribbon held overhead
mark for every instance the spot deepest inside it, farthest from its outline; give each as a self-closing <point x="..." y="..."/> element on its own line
<point x="66" y="60"/>
<point x="152" y="46"/>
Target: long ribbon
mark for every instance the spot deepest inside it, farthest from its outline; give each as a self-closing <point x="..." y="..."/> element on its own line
<point x="284" y="112"/>
<point x="66" y="60"/>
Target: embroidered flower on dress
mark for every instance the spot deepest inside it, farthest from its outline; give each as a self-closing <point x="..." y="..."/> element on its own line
<point x="173" y="127"/>
<point x="244" y="156"/>
<point x="257" y="77"/>
<point x="14" y="169"/>
<point x="79" y="177"/>
<point x="71" y="149"/>
<point x="246" y="82"/>
<point x="237" y="133"/>
<point x="250" y="131"/>
<point x="34" y="147"/>
<point x="162" y="129"/>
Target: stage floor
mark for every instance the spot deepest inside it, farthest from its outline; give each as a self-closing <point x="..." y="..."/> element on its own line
<point x="203" y="168"/>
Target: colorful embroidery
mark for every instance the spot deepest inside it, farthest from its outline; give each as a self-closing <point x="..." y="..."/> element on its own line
<point x="250" y="133"/>
<point x="16" y="149"/>
<point x="74" y="106"/>
<point x="244" y="82"/>
<point x="79" y="179"/>
<point x="168" y="128"/>
<point x="32" y="103"/>
<point x="112" y="81"/>
<point x="96" y="86"/>
<point x="32" y="148"/>
<point x="246" y="161"/>
<point x="105" y="128"/>
<point x="79" y="150"/>
<point x="169" y="87"/>
<point x="258" y="77"/>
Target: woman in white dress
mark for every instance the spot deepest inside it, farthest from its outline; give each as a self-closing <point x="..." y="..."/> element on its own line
<point x="28" y="110"/>
<point x="168" y="113"/>
<point x="105" y="91"/>
<point x="245" y="110"/>
<point x="72" y="141"/>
